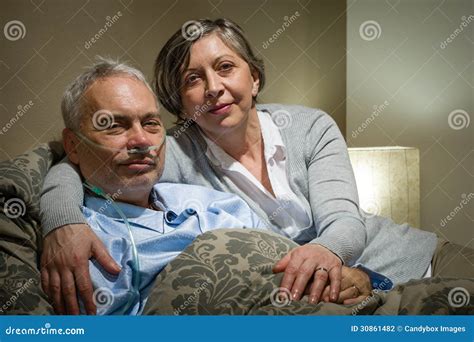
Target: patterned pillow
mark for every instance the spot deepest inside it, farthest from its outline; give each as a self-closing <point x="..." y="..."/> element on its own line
<point x="21" y="180"/>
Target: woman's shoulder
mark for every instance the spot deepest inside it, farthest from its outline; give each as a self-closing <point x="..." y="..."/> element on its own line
<point x="297" y="117"/>
<point x="185" y="138"/>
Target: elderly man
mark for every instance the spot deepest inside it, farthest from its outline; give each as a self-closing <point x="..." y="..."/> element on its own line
<point x="115" y="137"/>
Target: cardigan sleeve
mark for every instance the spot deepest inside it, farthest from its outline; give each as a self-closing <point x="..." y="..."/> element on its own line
<point x="332" y="192"/>
<point x="61" y="198"/>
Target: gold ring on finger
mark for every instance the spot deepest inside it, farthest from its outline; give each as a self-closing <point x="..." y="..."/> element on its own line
<point x="321" y="268"/>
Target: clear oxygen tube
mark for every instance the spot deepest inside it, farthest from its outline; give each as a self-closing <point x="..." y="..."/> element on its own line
<point x="134" y="292"/>
<point x="144" y="150"/>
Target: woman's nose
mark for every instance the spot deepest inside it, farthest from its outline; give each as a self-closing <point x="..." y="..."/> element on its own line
<point x="215" y="88"/>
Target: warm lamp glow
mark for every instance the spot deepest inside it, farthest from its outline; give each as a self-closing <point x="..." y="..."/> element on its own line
<point x="388" y="182"/>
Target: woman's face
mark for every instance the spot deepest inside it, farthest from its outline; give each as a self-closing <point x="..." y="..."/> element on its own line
<point x="218" y="87"/>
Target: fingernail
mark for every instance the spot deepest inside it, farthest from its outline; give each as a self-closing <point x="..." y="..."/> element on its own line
<point x="295" y="294"/>
<point x="312" y="300"/>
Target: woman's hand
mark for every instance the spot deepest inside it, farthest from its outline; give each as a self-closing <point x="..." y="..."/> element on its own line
<point x="310" y="263"/>
<point x="65" y="267"/>
<point x="355" y="287"/>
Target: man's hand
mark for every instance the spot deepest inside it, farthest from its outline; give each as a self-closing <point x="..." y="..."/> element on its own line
<point x="65" y="267"/>
<point x="307" y="263"/>
<point x="355" y="287"/>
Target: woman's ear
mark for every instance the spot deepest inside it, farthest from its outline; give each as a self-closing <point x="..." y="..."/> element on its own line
<point x="256" y="83"/>
<point x="70" y="143"/>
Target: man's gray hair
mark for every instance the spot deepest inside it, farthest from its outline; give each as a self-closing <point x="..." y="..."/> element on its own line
<point x="72" y="104"/>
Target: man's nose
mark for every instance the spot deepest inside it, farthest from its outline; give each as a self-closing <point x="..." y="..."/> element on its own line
<point x="138" y="138"/>
<point x="214" y="86"/>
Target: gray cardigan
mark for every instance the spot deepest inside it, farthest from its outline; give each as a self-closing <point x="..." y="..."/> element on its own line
<point x="319" y="173"/>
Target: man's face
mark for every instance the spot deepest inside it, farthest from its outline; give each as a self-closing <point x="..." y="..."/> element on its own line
<point x="119" y="113"/>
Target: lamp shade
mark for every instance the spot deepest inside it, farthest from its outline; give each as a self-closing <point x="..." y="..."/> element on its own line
<point x="388" y="182"/>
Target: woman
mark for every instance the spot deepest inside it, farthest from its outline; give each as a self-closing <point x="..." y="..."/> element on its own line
<point x="290" y="163"/>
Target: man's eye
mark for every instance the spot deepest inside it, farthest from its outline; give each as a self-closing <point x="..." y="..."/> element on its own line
<point x="113" y="128"/>
<point x="116" y="126"/>
<point x="152" y="123"/>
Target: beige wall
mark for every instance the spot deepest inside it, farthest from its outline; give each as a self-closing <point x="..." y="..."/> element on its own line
<point x="305" y="64"/>
<point x="418" y="79"/>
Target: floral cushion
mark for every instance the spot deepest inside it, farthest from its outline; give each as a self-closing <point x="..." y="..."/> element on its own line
<point x="21" y="180"/>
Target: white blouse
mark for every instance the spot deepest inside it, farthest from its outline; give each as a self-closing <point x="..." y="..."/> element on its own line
<point x="285" y="210"/>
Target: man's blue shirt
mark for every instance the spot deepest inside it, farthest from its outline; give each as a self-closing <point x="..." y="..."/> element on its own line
<point x="186" y="212"/>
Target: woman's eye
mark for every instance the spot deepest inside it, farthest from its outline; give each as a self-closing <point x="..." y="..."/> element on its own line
<point x="226" y="66"/>
<point x="191" y="79"/>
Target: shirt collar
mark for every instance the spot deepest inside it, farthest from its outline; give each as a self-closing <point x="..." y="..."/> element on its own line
<point x="273" y="144"/>
<point x="108" y="208"/>
<point x="216" y="154"/>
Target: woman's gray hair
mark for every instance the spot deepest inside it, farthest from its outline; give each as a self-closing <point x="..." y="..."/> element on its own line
<point x="174" y="58"/>
<point x="72" y="105"/>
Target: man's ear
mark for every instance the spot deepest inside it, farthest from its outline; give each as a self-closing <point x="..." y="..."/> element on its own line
<point x="70" y="143"/>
